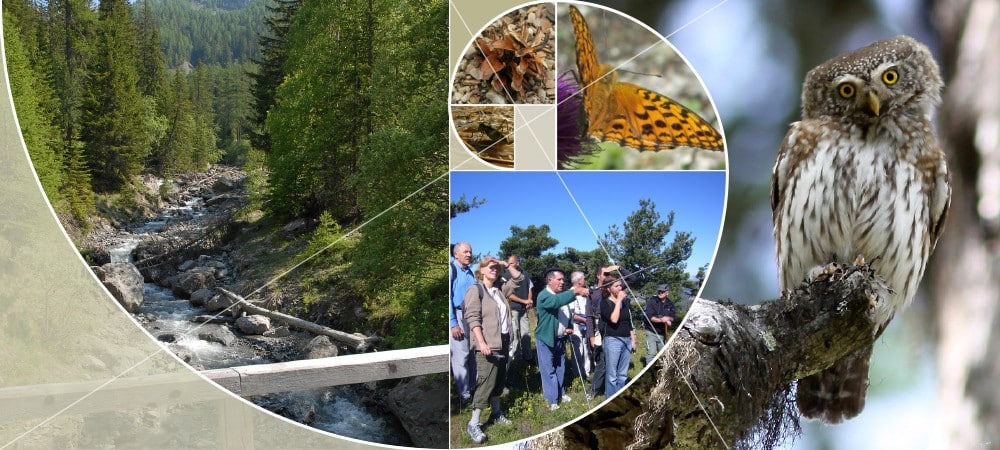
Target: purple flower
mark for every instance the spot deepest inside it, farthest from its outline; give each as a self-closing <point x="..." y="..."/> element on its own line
<point x="572" y="141"/>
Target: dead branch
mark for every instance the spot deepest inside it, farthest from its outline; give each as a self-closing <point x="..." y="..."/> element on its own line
<point x="724" y="381"/>
<point x="358" y="342"/>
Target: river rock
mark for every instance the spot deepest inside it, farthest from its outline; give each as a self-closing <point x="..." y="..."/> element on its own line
<point x="201" y="296"/>
<point x="208" y="318"/>
<point x="184" y="284"/>
<point x="221" y="335"/>
<point x="124" y="282"/>
<point x="295" y="228"/>
<point x="97" y="256"/>
<point x="185" y="356"/>
<point x="225" y="183"/>
<point x="186" y="265"/>
<point x="255" y="324"/>
<point x="220" y="199"/>
<point x="278" y="332"/>
<point x="150" y="246"/>
<point x="320" y="347"/>
<point x="218" y="303"/>
<point x="421" y="404"/>
<point x="299" y="406"/>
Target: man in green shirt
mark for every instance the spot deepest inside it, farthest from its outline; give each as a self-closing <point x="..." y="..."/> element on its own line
<point x="550" y="347"/>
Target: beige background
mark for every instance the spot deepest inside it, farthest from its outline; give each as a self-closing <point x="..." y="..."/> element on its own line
<point x="75" y="371"/>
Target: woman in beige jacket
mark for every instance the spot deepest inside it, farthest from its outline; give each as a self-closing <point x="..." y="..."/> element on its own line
<point x="488" y="314"/>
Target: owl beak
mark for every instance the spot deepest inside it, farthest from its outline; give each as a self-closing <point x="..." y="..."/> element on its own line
<point x="873" y="102"/>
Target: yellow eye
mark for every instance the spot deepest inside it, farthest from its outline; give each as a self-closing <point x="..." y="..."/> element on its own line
<point x="890" y="77"/>
<point x="846" y="90"/>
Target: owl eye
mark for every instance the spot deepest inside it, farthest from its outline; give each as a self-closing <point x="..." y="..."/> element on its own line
<point x="890" y="77"/>
<point x="846" y="90"/>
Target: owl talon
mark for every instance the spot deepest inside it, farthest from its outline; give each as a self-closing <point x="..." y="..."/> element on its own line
<point x="859" y="261"/>
<point x="820" y="274"/>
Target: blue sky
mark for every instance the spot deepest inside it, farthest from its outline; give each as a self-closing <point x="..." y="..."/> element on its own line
<point x="540" y="198"/>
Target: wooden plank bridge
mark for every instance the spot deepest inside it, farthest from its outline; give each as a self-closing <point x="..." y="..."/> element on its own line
<point x="29" y="403"/>
<point x="247" y="381"/>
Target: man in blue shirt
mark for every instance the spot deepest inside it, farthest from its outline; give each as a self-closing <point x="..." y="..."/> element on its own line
<point x="463" y="365"/>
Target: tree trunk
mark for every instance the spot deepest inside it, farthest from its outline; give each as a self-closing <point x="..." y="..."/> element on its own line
<point x="725" y="379"/>
<point x="358" y="342"/>
<point x="965" y="280"/>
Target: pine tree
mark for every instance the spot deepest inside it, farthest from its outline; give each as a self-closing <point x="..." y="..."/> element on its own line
<point x="78" y="187"/>
<point x="175" y="152"/>
<point x="202" y="100"/>
<point x="40" y="134"/>
<point x="119" y="121"/>
<point x="641" y="244"/>
<point x="72" y="36"/>
<point x="270" y="67"/>
<point x="153" y="65"/>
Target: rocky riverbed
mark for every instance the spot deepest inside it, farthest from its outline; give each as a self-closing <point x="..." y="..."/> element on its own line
<point x="165" y="270"/>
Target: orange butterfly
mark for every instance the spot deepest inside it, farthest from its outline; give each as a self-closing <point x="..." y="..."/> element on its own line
<point x="631" y="115"/>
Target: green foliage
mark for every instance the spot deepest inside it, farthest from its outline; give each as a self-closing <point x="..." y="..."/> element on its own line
<point x="209" y="32"/>
<point x="354" y="100"/>
<point x="324" y="239"/>
<point x="59" y="163"/>
<point x="256" y="170"/>
<point x="270" y="71"/>
<point x="118" y="125"/>
<point x="232" y="108"/>
<point x="400" y="180"/>
<point x="462" y="205"/>
<point x="322" y="112"/>
<point x="152" y="66"/>
<point x="81" y="197"/>
<point x="641" y="243"/>
<point x="31" y="98"/>
<point x="529" y="244"/>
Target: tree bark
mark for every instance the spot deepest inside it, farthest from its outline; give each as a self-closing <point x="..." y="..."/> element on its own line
<point x="964" y="281"/>
<point x="358" y="342"/>
<point x="724" y="381"/>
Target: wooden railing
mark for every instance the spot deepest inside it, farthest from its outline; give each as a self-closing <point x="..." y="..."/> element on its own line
<point x="21" y="403"/>
<point x="305" y="374"/>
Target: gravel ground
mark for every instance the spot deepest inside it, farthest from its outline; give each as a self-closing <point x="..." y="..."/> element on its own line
<point x="470" y="86"/>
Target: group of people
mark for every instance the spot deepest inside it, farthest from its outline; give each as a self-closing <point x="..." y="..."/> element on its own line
<point x="489" y="312"/>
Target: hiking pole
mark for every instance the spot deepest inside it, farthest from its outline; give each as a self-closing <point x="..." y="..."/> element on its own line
<point x="579" y="366"/>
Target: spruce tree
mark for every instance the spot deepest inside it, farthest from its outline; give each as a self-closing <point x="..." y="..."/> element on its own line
<point x="37" y="128"/>
<point x="72" y="38"/>
<point x="175" y="152"/>
<point x="270" y="67"/>
<point x="119" y="120"/>
<point x="152" y="64"/>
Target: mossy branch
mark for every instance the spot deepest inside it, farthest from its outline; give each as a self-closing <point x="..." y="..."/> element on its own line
<point x="725" y="379"/>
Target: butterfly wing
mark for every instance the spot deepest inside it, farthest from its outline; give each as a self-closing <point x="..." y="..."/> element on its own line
<point x="587" y="66"/>
<point x="628" y="114"/>
<point x="645" y="120"/>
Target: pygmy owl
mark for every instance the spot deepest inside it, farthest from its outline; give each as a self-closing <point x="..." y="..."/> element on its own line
<point x="861" y="175"/>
